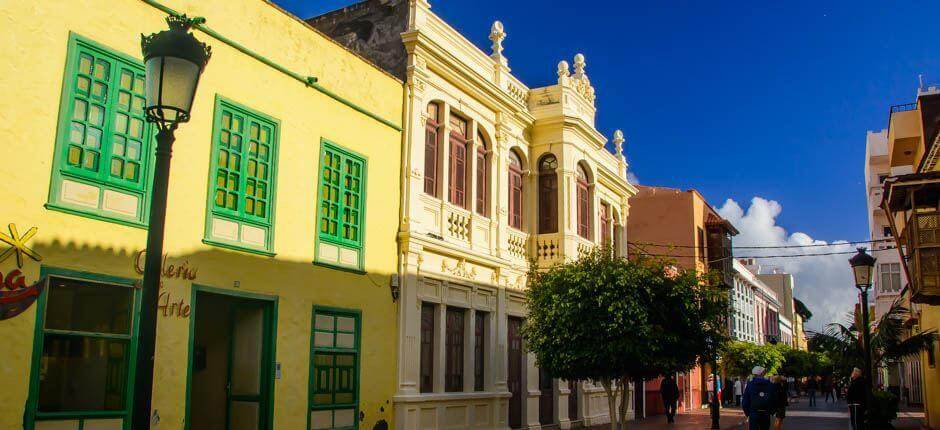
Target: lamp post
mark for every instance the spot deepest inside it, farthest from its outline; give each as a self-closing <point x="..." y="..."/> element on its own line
<point x="862" y="266"/>
<point x="174" y="60"/>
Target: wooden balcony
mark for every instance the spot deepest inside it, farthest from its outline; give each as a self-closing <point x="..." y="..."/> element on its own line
<point x="920" y="246"/>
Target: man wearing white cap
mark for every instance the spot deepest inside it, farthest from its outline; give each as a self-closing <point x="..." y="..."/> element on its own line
<point x="759" y="400"/>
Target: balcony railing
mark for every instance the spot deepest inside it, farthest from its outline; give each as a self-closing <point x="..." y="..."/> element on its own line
<point x="903" y="107"/>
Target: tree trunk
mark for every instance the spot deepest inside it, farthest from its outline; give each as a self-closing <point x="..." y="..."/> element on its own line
<point x="624" y="401"/>
<point x="611" y="402"/>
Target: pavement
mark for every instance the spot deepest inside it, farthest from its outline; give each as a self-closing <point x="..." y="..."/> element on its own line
<point x="800" y="416"/>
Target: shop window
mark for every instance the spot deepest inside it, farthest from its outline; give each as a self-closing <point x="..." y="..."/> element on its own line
<point x="243" y="173"/>
<point x="427" y="348"/>
<point x="548" y="194"/>
<point x="479" y="350"/>
<point x="431" y="144"/>
<point x="515" y="191"/>
<point x="102" y="161"/>
<point x="453" y="350"/>
<point x="341" y="204"/>
<point x="334" y="369"/>
<point x="482" y="177"/>
<point x="85" y="346"/>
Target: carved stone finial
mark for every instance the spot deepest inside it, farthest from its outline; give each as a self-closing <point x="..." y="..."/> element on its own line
<point x="497" y="34"/>
<point x="618" y="142"/>
<point x="563" y="71"/>
<point x="579" y="65"/>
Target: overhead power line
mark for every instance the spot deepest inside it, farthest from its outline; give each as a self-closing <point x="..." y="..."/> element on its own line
<point x="815" y="245"/>
<point x="815" y="254"/>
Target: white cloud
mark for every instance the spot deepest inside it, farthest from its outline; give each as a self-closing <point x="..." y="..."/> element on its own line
<point x="632" y="178"/>
<point x="823" y="283"/>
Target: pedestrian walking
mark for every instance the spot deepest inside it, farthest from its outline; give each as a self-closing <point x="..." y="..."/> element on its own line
<point x="856" y="399"/>
<point x="759" y="400"/>
<point x="669" y="391"/>
<point x="738" y="390"/>
<point x="811" y="385"/>
<point x="827" y="387"/>
<point x="782" y="401"/>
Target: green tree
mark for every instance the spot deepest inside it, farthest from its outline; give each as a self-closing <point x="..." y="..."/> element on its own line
<point x="799" y="363"/>
<point x="739" y="358"/>
<point x="889" y="340"/>
<point x="802" y="309"/>
<point x="613" y="321"/>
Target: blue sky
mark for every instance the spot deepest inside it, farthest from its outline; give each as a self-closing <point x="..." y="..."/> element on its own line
<point x="765" y="104"/>
<point x="733" y="99"/>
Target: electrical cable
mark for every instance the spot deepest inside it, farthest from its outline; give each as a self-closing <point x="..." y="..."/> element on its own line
<point x="666" y="245"/>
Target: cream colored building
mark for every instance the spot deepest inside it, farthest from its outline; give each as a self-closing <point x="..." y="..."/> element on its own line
<point x="494" y="173"/>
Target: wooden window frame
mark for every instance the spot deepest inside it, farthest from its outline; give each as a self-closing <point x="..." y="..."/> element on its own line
<point x="548" y="195"/>
<point x="266" y="165"/>
<point x="432" y="153"/>
<point x="516" y="192"/>
<point x="345" y="213"/>
<point x="335" y="351"/>
<point x="32" y="413"/>
<point x="457" y="170"/>
<point x="584" y="204"/>
<point x="454" y="332"/>
<point x="479" y="351"/>
<point x="426" y="348"/>
<point x="482" y="178"/>
<point x="605" y="222"/>
<point x="136" y="149"/>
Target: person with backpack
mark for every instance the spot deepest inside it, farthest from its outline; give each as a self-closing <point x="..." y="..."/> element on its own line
<point x="759" y="401"/>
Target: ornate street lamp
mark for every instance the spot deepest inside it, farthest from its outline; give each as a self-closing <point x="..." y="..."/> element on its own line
<point x="174" y="60"/>
<point x="862" y="267"/>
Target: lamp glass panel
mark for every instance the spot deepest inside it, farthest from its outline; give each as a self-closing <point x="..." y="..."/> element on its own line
<point x="179" y="78"/>
<point x="862" y="275"/>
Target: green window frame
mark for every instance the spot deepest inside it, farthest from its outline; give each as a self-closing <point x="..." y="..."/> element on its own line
<point x="242" y="176"/>
<point x="341" y="202"/>
<point x="102" y="161"/>
<point x="334" y="369"/>
<point x="49" y="329"/>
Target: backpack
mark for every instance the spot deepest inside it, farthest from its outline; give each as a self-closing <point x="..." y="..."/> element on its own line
<point x="762" y="397"/>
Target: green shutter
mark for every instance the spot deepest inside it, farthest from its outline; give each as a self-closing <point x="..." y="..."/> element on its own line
<point x="334" y="369"/>
<point x="341" y="202"/>
<point x="242" y="177"/>
<point x="103" y="147"/>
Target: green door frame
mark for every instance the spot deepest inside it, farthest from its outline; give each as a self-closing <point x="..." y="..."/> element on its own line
<point x="270" y="347"/>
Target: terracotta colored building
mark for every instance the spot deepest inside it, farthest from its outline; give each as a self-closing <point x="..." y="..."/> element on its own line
<point x="680" y="225"/>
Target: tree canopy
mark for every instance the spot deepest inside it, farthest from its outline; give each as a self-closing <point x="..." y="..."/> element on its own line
<point x="802" y="309"/>
<point x="613" y="320"/>
<point x="739" y="358"/>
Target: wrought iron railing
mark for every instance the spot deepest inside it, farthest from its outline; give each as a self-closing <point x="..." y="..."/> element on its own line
<point x="904" y="107"/>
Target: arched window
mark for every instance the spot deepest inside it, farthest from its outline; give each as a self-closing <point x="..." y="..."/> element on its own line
<point x="430" y="149"/>
<point x="548" y="194"/>
<point x="584" y="203"/>
<point x="482" y="176"/>
<point x="458" y="161"/>
<point x="515" y="191"/>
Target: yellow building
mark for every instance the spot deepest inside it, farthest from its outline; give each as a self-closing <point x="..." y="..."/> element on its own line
<point x="911" y="200"/>
<point x="495" y="173"/>
<point x="277" y="308"/>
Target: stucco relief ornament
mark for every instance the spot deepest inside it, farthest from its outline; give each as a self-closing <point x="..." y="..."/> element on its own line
<point x="459" y="269"/>
<point x="580" y="80"/>
<point x="497" y="35"/>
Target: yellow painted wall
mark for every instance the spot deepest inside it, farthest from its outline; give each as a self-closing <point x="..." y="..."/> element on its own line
<point x="35" y="41"/>
<point x="930" y="319"/>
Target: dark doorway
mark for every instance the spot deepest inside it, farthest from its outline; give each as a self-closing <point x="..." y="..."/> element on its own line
<point x="232" y="363"/>
<point x="514" y="381"/>
<point x="546" y="398"/>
